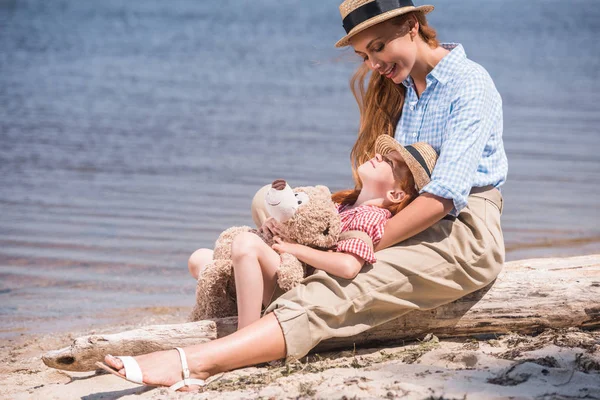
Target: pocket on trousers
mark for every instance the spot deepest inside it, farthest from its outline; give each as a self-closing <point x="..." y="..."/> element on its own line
<point x="492" y="222"/>
<point x="490" y="206"/>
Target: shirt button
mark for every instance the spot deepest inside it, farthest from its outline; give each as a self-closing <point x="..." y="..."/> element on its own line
<point x="414" y="134"/>
<point x="412" y="108"/>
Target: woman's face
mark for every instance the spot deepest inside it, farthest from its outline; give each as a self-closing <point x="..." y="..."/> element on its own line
<point x="387" y="49"/>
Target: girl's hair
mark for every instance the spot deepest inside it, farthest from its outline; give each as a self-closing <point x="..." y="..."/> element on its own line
<point x="403" y="177"/>
<point x="381" y="105"/>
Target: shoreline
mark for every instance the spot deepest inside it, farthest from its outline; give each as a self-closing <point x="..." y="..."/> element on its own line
<point x="97" y="321"/>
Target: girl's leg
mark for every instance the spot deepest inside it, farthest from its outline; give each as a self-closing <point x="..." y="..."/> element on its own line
<point x="259" y="342"/>
<point x="255" y="268"/>
<point x="198" y="261"/>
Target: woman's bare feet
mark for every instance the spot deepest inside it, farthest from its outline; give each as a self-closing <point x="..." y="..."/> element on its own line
<point x="161" y="368"/>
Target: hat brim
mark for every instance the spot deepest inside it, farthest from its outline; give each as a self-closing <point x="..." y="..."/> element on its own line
<point x="380" y="18"/>
<point x="385" y="144"/>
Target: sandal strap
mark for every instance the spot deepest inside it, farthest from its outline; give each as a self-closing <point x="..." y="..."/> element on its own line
<point x="186" y="381"/>
<point x="133" y="372"/>
<point x="184" y="365"/>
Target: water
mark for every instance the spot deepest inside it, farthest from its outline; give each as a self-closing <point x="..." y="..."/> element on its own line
<point x="132" y="133"/>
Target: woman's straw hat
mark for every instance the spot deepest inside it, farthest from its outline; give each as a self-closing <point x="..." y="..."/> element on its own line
<point x="358" y="15"/>
<point x="420" y="157"/>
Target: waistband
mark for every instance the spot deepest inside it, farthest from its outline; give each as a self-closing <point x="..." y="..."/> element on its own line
<point x="485" y="192"/>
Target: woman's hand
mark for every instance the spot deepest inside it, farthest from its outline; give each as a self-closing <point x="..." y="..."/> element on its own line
<point x="270" y="227"/>
<point x="281" y="246"/>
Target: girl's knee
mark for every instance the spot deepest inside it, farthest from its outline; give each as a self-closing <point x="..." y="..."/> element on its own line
<point x="198" y="261"/>
<point x="246" y="244"/>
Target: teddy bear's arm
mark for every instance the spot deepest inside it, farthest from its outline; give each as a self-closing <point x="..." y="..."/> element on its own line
<point x="291" y="272"/>
<point x="212" y="297"/>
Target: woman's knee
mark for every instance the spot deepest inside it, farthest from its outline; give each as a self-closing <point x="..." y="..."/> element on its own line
<point x="198" y="261"/>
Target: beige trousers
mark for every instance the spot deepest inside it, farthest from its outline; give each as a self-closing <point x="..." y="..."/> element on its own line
<point x="439" y="265"/>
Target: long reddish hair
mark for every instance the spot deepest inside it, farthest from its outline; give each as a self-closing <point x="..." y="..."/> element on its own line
<point x="381" y="102"/>
<point x="404" y="180"/>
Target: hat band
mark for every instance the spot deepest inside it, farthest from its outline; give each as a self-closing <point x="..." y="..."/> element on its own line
<point x="372" y="9"/>
<point x="415" y="153"/>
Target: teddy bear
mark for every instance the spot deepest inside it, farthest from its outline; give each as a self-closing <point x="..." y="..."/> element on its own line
<point x="307" y="215"/>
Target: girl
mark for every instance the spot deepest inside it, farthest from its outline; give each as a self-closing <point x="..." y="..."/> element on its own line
<point x="445" y="244"/>
<point x="388" y="185"/>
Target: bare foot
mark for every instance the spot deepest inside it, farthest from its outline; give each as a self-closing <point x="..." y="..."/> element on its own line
<point x="161" y="368"/>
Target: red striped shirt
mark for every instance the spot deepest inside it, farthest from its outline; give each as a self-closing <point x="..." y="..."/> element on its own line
<point x="368" y="219"/>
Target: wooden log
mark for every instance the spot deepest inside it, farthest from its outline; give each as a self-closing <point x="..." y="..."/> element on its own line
<point x="83" y="353"/>
<point x="527" y="297"/>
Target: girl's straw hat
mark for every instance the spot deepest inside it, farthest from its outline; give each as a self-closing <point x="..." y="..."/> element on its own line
<point x="420" y="157"/>
<point x="358" y="15"/>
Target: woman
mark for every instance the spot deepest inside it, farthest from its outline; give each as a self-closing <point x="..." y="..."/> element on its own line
<point x="445" y="244"/>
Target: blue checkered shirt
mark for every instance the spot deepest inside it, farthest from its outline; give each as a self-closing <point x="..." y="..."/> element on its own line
<point x="460" y="115"/>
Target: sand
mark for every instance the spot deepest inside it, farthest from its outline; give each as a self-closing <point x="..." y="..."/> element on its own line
<point x="556" y="364"/>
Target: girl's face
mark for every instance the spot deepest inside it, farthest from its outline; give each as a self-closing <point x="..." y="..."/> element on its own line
<point x="388" y="49"/>
<point x="377" y="175"/>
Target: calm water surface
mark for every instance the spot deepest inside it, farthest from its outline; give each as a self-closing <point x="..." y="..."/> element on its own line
<point x="132" y="133"/>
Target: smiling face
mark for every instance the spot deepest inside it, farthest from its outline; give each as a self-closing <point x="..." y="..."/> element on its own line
<point x="389" y="48"/>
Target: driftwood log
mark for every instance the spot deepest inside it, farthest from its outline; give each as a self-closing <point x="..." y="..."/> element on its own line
<point x="527" y="297"/>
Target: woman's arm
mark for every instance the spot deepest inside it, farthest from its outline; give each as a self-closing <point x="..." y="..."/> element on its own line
<point x="344" y="265"/>
<point x="423" y="212"/>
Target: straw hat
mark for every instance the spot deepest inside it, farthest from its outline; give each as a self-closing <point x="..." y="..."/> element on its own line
<point x="420" y="157"/>
<point x="358" y="15"/>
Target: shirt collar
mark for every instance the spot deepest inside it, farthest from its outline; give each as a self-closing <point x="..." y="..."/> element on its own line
<point x="362" y="207"/>
<point x="444" y="70"/>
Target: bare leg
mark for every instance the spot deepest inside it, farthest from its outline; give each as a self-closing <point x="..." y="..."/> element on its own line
<point x="255" y="268"/>
<point x="198" y="261"/>
<point x="259" y="342"/>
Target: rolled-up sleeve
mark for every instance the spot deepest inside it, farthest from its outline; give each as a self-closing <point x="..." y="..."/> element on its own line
<point x="358" y="247"/>
<point x="474" y="112"/>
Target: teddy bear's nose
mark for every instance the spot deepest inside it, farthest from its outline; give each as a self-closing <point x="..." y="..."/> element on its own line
<point x="278" y="184"/>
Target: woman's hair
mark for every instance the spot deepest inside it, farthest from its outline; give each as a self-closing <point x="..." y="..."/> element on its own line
<point x="403" y="178"/>
<point x="381" y="103"/>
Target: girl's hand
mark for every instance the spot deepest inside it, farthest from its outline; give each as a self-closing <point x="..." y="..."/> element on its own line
<point x="281" y="246"/>
<point x="270" y="227"/>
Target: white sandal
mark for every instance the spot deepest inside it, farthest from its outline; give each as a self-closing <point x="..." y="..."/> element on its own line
<point x="133" y="372"/>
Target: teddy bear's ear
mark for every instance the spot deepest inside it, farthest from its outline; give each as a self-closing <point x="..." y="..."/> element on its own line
<point x="324" y="189"/>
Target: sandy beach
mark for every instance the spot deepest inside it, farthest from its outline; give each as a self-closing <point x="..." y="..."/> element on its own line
<point x="556" y="364"/>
